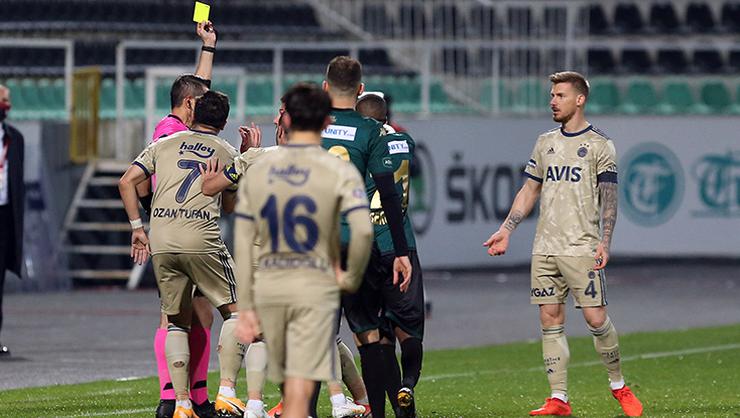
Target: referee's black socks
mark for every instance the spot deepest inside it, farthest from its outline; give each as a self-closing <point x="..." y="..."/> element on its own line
<point x="412" y="353"/>
<point x="373" y="374"/>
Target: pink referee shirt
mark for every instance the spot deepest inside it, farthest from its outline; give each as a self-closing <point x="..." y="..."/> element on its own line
<point x="169" y="125"/>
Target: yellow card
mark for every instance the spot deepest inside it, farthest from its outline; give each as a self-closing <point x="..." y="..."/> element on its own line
<point x="201" y="12"/>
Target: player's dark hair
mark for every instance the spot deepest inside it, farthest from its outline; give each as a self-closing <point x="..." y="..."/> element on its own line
<point x="212" y="109"/>
<point x="577" y="80"/>
<point x="184" y="86"/>
<point x="344" y="74"/>
<point x="373" y="106"/>
<point x="308" y="107"/>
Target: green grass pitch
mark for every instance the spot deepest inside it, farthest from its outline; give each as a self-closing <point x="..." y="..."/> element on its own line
<point x="689" y="373"/>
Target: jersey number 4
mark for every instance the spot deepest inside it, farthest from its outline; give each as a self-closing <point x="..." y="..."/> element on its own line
<point x="290" y="221"/>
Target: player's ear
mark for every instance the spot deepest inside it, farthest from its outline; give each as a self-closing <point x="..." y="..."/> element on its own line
<point x="286" y="120"/>
<point x="581" y="100"/>
<point x="361" y="89"/>
<point x="325" y="86"/>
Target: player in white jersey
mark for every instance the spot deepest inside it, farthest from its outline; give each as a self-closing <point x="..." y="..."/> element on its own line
<point x="573" y="172"/>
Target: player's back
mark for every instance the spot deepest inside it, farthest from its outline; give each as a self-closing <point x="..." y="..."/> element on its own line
<point x="184" y="220"/>
<point x="401" y="150"/>
<point x="295" y="195"/>
<point x="351" y="137"/>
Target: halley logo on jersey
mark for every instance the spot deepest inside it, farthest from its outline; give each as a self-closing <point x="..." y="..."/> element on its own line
<point x="653" y="184"/>
<point x="295" y="176"/>
<point x="344" y="133"/>
<point x="198" y="149"/>
<point x="565" y="173"/>
<point x="398" y="147"/>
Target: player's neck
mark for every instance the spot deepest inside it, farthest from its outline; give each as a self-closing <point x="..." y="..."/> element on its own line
<point x="205" y="129"/>
<point x="181" y="114"/>
<point x="340" y="102"/>
<point x="304" y="138"/>
<point x="575" y="124"/>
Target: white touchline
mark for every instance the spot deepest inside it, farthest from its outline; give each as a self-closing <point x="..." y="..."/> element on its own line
<point x="645" y="356"/>
<point x="100" y="414"/>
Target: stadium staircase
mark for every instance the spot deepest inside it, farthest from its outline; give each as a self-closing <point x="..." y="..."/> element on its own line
<point x="96" y="233"/>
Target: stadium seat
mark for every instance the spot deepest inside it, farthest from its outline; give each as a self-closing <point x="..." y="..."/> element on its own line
<point x="600" y="61"/>
<point x="598" y="24"/>
<point x="483" y="22"/>
<point x="627" y="19"/>
<point x="554" y="21"/>
<point x="412" y="21"/>
<point x="677" y="98"/>
<point x="455" y="61"/>
<point x="671" y="61"/>
<point x="259" y="95"/>
<point x="375" y="20"/>
<point x="446" y="22"/>
<point x="640" y="98"/>
<point x="134" y="98"/>
<point x="603" y="96"/>
<point x="735" y="107"/>
<point x="504" y="95"/>
<point x="707" y="61"/>
<point x="51" y="98"/>
<point x="699" y="18"/>
<point x="519" y="21"/>
<point x="438" y="99"/>
<point x="733" y="62"/>
<point x="715" y="95"/>
<point x="531" y="95"/>
<point x="107" y="98"/>
<point x="731" y="16"/>
<point x="663" y="18"/>
<point x="635" y="61"/>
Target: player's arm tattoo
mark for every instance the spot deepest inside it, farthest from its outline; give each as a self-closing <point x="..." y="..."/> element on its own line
<point x="513" y="220"/>
<point x="608" y="195"/>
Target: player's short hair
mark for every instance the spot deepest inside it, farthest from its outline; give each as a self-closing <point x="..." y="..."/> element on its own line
<point x="308" y="107"/>
<point x="212" y="109"/>
<point x="577" y="80"/>
<point x="373" y="106"/>
<point x="344" y="74"/>
<point x="184" y="86"/>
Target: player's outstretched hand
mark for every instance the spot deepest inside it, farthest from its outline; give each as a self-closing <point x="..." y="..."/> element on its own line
<point x="497" y="243"/>
<point x="248" y="328"/>
<point x="139" y="246"/>
<point x="207" y="33"/>
<point x="402" y="265"/>
<point x="251" y="137"/>
<point x="602" y="256"/>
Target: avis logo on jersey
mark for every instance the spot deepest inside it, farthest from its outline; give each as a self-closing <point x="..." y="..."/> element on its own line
<point x="564" y="173"/>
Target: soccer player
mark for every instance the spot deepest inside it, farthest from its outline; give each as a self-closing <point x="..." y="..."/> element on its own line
<point x="356" y="138"/>
<point x="402" y="307"/>
<point x="216" y="181"/>
<point x="292" y="204"/>
<point x="182" y="97"/>
<point x="573" y="169"/>
<point x="186" y="245"/>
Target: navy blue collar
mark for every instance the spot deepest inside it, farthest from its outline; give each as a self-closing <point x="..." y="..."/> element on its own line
<point x="203" y="132"/>
<point x="572" y="134"/>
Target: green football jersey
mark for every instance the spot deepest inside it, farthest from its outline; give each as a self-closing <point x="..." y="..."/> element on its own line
<point x="356" y="138"/>
<point x="400" y="148"/>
